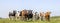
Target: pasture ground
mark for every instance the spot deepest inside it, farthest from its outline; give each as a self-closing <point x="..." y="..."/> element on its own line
<point x="52" y="20"/>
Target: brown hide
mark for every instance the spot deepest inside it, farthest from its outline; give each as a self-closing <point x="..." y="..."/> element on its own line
<point x="24" y="12"/>
<point x="47" y="13"/>
<point x="42" y="14"/>
<point x="47" y="16"/>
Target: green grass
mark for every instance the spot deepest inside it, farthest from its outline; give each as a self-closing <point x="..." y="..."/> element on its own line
<point x="53" y="20"/>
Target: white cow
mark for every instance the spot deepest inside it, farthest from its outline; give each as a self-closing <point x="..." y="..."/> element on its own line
<point x="17" y="16"/>
<point x="35" y="16"/>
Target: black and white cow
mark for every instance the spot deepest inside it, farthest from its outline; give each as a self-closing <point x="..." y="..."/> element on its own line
<point x="12" y="15"/>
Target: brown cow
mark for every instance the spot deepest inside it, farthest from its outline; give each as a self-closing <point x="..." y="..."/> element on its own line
<point x="47" y="15"/>
<point x="27" y="14"/>
<point x="24" y="14"/>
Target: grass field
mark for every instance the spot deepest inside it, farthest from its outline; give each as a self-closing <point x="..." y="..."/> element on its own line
<point x="53" y="20"/>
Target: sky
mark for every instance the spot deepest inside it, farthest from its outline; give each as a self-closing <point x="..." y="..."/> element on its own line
<point x="35" y="5"/>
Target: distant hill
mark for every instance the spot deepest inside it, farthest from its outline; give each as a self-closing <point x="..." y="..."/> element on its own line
<point x="0" y="18"/>
<point x="55" y="17"/>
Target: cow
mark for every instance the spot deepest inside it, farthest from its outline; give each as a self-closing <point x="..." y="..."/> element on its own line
<point x="17" y="15"/>
<point x="24" y="14"/>
<point x="12" y="15"/>
<point x="20" y="15"/>
<point x="47" y="15"/>
<point x="36" y="16"/>
<point x="30" y="14"/>
<point x="42" y="16"/>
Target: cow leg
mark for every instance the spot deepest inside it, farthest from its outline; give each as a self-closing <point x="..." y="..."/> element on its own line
<point x="41" y="18"/>
<point x="15" y="17"/>
<point x="25" y="18"/>
<point x="12" y="17"/>
<point x="22" y="18"/>
<point x="9" y="18"/>
<point x="28" y="18"/>
<point x="48" y="18"/>
<point x="37" y="18"/>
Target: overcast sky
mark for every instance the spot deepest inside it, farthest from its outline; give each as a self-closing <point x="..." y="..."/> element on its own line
<point x="36" y="5"/>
